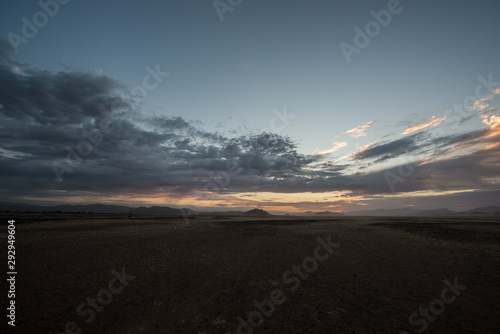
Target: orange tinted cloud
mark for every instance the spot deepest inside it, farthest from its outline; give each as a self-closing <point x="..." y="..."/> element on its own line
<point x="359" y="131"/>
<point x="433" y="122"/>
<point x="361" y="149"/>
<point x="336" y="146"/>
<point x="491" y="120"/>
<point x="480" y="104"/>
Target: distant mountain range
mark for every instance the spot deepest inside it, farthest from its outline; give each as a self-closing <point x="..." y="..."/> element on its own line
<point x="103" y="208"/>
<point x="97" y="208"/>
<point x="165" y="210"/>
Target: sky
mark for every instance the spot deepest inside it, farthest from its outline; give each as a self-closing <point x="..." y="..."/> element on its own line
<point x="287" y="106"/>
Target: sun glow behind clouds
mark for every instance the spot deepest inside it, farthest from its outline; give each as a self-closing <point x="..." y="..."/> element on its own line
<point x="332" y="201"/>
<point x="269" y="197"/>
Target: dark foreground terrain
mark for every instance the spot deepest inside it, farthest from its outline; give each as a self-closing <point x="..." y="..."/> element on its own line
<point x="145" y="274"/>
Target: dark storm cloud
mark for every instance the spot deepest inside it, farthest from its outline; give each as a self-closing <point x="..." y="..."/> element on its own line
<point x="479" y="170"/>
<point x="391" y="149"/>
<point x="43" y="98"/>
<point x="45" y="116"/>
<point x="472" y="137"/>
<point x="422" y="142"/>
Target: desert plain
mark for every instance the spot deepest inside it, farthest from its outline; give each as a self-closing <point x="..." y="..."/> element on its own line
<point x="104" y="273"/>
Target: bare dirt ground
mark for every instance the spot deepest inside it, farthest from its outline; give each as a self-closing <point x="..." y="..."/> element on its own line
<point x="203" y="277"/>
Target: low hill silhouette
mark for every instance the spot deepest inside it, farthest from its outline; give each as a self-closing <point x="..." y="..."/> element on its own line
<point x="257" y="213"/>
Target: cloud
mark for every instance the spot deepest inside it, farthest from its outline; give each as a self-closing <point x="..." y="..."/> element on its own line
<point x="335" y="146"/>
<point x="45" y="116"/>
<point x="420" y="126"/>
<point x="478" y="170"/>
<point x="359" y="131"/>
<point x="491" y="118"/>
<point x="481" y="104"/>
<point x="390" y="149"/>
